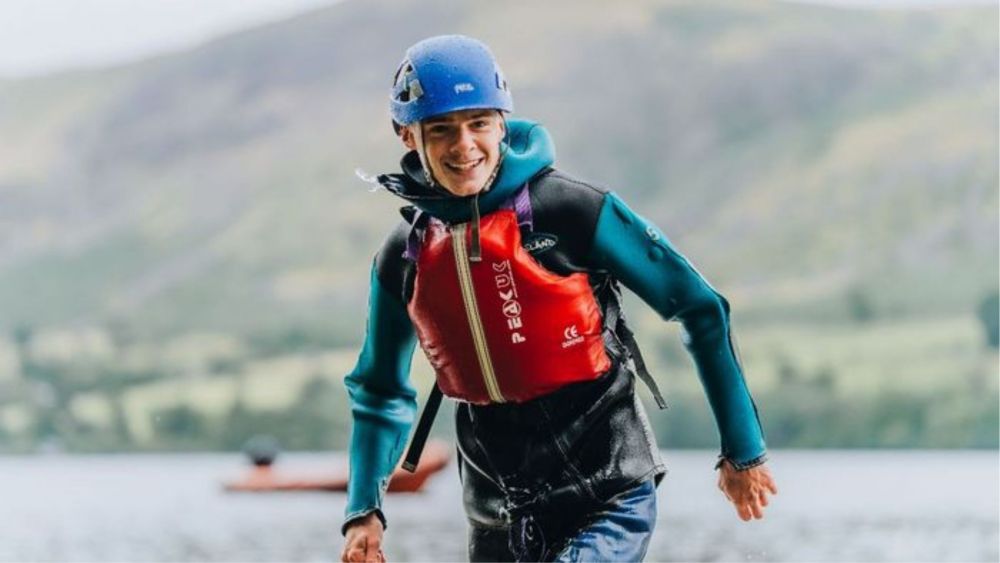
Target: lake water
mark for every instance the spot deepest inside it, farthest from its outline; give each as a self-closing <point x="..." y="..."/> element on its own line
<point x="832" y="506"/>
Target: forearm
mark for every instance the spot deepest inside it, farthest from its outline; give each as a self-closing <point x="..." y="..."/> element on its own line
<point x="383" y="403"/>
<point x="708" y="338"/>
<point x="378" y="437"/>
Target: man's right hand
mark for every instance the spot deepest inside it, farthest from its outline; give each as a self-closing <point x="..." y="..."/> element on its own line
<point x="363" y="541"/>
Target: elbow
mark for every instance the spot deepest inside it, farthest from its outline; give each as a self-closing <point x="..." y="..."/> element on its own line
<point x="382" y="407"/>
<point x="707" y="320"/>
<point x="392" y="414"/>
<point x="369" y="391"/>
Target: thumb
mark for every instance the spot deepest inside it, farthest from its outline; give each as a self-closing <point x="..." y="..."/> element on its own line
<point x="367" y="548"/>
<point x="359" y="549"/>
<point x="373" y="549"/>
<point x="724" y="490"/>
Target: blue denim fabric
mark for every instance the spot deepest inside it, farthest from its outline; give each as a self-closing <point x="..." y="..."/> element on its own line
<point x="621" y="533"/>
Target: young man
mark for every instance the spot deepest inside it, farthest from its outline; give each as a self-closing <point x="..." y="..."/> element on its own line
<point x="507" y="272"/>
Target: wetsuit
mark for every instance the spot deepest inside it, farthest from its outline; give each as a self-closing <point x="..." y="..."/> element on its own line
<point x="572" y="451"/>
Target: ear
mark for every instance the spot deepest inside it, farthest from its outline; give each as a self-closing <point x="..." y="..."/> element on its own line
<point x="406" y="135"/>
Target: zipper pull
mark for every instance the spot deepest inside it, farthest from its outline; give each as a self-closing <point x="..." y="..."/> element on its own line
<point x="475" y="253"/>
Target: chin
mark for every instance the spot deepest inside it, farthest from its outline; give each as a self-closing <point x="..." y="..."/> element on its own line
<point x="466" y="188"/>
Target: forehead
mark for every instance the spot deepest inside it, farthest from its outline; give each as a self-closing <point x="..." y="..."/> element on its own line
<point x="462" y="115"/>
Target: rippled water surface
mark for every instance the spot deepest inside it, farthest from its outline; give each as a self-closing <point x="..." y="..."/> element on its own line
<point x="833" y="506"/>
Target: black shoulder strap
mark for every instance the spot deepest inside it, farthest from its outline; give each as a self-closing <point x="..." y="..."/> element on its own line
<point x="423" y="430"/>
<point x="616" y="321"/>
<point x="640" y="365"/>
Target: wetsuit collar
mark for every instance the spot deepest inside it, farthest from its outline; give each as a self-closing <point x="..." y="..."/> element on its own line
<point x="528" y="150"/>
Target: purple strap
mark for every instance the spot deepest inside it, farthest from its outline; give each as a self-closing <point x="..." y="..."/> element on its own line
<point x="520" y="204"/>
<point x="415" y="238"/>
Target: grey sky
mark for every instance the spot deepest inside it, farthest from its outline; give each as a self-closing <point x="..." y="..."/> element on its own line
<point x="43" y="36"/>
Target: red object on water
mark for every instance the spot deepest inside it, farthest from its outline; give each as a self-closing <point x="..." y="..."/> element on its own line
<point x="267" y="479"/>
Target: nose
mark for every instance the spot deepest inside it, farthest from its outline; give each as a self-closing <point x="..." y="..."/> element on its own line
<point x="464" y="141"/>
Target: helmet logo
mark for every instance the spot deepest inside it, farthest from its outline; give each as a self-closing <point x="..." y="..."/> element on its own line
<point x="464" y="87"/>
<point x="501" y="81"/>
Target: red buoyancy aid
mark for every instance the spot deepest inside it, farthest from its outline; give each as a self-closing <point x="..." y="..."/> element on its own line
<point x="504" y="328"/>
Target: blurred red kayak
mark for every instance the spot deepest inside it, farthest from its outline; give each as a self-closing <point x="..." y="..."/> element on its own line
<point x="265" y="478"/>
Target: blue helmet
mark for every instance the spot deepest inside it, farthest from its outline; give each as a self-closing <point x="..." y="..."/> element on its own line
<point x="444" y="74"/>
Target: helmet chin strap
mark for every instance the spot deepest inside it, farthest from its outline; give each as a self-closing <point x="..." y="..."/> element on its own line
<point x="418" y="133"/>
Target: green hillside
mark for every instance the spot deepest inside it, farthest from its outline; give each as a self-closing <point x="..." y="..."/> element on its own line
<point x="174" y="230"/>
<point x="794" y="152"/>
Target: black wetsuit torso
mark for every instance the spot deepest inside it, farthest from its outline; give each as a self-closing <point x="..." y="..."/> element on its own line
<point x="573" y="450"/>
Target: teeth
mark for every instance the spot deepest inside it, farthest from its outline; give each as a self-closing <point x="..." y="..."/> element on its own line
<point x="465" y="165"/>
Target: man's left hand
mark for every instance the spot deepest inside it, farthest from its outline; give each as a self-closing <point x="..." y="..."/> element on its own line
<point x="747" y="489"/>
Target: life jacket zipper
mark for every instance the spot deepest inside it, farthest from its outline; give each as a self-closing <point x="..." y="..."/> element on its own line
<point x="472" y="312"/>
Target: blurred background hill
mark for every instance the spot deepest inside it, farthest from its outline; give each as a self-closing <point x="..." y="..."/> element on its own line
<point x="184" y="247"/>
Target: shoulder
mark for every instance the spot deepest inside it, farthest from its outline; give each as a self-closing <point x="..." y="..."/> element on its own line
<point x="558" y="198"/>
<point x="389" y="262"/>
<point x="567" y="210"/>
<point x="556" y="188"/>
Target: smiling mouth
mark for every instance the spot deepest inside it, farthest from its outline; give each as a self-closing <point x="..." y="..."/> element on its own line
<point x="463" y="167"/>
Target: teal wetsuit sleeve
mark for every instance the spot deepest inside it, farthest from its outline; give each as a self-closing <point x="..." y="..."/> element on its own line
<point x="636" y="252"/>
<point x="383" y="403"/>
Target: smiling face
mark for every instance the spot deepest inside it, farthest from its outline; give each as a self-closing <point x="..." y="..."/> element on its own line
<point x="461" y="147"/>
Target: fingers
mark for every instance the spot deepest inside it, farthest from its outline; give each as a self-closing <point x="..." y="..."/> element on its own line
<point x="749" y="506"/>
<point x="365" y="551"/>
<point x="767" y="481"/>
<point x="743" y="511"/>
<point x="356" y="555"/>
<point x="359" y="555"/>
<point x="375" y="551"/>
<point x="749" y="511"/>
